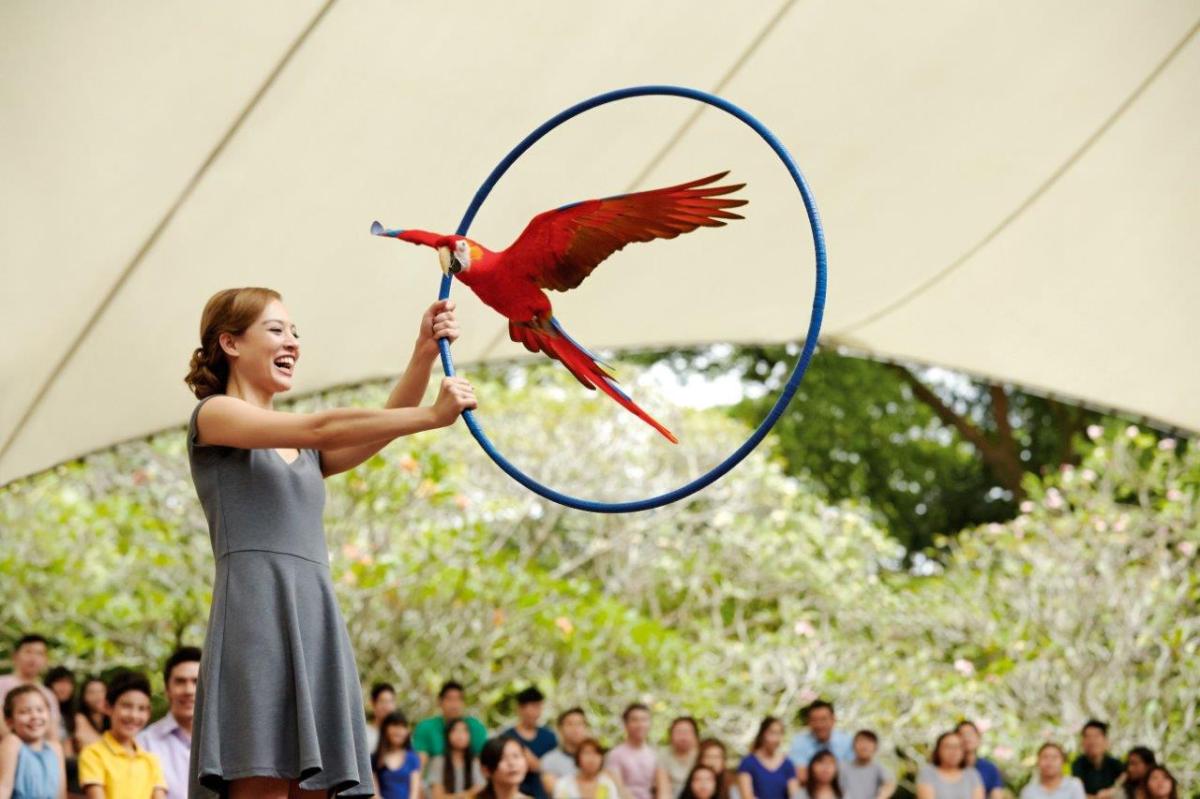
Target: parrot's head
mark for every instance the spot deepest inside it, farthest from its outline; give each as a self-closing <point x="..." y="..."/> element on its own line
<point x="456" y="254"/>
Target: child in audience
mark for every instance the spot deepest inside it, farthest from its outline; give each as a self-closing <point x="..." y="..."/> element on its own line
<point x="115" y="767"/>
<point x="821" y="778"/>
<point x="32" y="765"/>
<point x="701" y="783"/>
<point x="863" y="777"/>
<point x="589" y="780"/>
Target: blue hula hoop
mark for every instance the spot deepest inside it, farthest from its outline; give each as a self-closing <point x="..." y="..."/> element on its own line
<point x="810" y="341"/>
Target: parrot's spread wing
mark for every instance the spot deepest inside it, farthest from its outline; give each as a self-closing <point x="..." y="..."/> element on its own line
<point x="560" y="248"/>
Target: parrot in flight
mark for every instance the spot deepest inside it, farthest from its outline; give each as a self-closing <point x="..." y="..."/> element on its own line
<point x="558" y="249"/>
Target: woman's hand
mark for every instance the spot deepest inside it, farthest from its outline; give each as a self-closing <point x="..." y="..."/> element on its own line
<point x="455" y="396"/>
<point x="437" y="322"/>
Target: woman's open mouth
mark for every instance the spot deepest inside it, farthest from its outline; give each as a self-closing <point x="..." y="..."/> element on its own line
<point x="286" y="364"/>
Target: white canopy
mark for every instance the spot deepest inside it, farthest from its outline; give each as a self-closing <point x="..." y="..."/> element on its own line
<point x="1010" y="189"/>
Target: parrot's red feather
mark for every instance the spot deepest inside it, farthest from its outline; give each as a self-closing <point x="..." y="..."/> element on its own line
<point x="559" y="248"/>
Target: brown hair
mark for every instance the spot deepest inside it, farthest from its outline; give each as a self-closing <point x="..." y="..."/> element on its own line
<point x="10" y="700"/>
<point x="228" y="311"/>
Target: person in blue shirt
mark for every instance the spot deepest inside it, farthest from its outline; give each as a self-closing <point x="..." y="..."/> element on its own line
<point x="397" y="767"/>
<point x="993" y="782"/>
<point x="534" y="737"/>
<point x="821" y="736"/>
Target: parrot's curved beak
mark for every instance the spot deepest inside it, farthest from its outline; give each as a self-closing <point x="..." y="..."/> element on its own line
<point x="379" y="230"/>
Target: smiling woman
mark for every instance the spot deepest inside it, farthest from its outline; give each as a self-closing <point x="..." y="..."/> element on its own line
<point x="278" y="704"/>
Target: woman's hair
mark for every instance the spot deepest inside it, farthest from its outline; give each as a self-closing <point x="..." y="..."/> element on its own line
<point x="1144" y="754"/>
<point x="10" y="700"/>
<point x="489" y="758"/>
<point x="95" y="716"/>
<point x="810" y="780"/>
<point x="448" y="767"/>
<point x="761" y="735"/>
<point x="228" y="311"/>
<point x="66" y="708"/>
<point x="589" y="743"/>
<point x="687" y="784"/>
<point x="1174" y="794"/>
<point x="393" y="719"/>
<point x="936" y="756"/>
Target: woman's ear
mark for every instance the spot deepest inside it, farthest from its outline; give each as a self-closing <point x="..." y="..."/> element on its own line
<point x="228" y="344"/>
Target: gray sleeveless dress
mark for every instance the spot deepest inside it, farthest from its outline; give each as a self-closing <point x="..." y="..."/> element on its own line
<point x="279" y="694"/>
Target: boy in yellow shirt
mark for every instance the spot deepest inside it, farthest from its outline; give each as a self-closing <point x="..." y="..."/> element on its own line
<point x="115" y="767"/>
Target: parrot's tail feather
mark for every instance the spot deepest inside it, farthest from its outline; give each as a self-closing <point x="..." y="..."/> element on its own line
<point x="555" y="342"/>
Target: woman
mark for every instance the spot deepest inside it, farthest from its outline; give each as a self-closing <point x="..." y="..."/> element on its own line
<point x="32" y="765"/>
<point x="701" y="783"/>
<point x="456" y="774"/>
<point x="504" y="766"/>
<point x="61" y="683"/>
<point x="946" y="776"/>
<point x="1160" y="784"/>
<point x="714" y="756"/>
<point x="91" y="721"/>
<point x="590" y="781"/>
<point x="396" y="766"/>
<point x="278" y="704"/>
<point x="821" y="778"/>
<point x="767" y="773"/>
<point x="1138" y="763"/>
<point x="1049" y="782"/>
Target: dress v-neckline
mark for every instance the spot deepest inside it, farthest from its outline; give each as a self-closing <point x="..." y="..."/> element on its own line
<point x="286" y="462"/>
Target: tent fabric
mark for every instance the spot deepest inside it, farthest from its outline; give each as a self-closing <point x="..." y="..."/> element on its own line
<point x="1009" y="189"/>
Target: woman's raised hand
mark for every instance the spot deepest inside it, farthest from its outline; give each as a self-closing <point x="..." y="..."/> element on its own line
<point x="437" y="322"/>
<point x="455" y="396"/>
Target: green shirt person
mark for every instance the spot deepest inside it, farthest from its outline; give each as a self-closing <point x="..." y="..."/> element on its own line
<point x="429" y="736"/>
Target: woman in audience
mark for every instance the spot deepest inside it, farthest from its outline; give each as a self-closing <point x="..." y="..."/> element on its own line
<point x="1160" y="784"/>
<point x="945" y="776"/>
<point x="504" y="767"/>
<point x="456" y="773"/>
<point x="396" y="766"/>
<point x="714" y="756"/>
<point x="590" y="781"/>
<point x="1049" y="782"/>
<point x="701" y="783"/>
<point x="768" y="773"/>
<point x="821" y="778"/>
<point x="91" y="720"/>
<point x="32" y="765"/>
<point x="1138" y="763"/>
<point x="61" y="682"/>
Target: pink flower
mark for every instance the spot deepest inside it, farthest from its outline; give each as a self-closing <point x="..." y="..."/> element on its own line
<point x="1167" y="445"/>
<point x="1187" y="548"/>
<point x="983" y="724"/>
<point x="1132" y="431"/>
<point x="1100" y="525"/>
<point x="803" y="628"/>
<point x="1174" y="494"/>
<point x="1054" y="500"/>
<point x="807" y="695"/>
<point x="1088" y="475"/>
<point x="1026" y="507"/>
<point x="564" y="625"/>
<point x="1094" y="431"/>
<point x="1002" y="752"/>
<point x="964" y="667"/>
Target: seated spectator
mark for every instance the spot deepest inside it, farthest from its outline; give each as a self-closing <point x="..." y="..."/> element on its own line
<point x="429" y="736"/>
<point x="1160" y="784"/>
<point x="383" y="702"/>
<point x="1048" y="781"/>
<point x="61" y="682"/>
<point x="589" y="780"/>
<point x="560" y="762"/>
<point x="397" y="768"/>
<point x="91" y="720"/>
<point x="820" y="736"/>
<point x="701" y="783"/>
<point x="536" y="738"/>
<point x="675" y="762"/>
<point x="455" y="774"/>
<point x="170" y="738"/>
<point x="633" y="762"/>
<point x="946" y="775"/>
<point x="993" y="782"/>
<point x="767" y="773"/>
<point x="115" y="767"/>
<point x="863" y="777"/>
<point x="29" y="661"/>
<point x="712" y="755"/>
<point x="1138" y="763"/>
<point x="32" y="765"/>
<point x="1095" y="767"/>
<point x="822" y="778"/>
<point x="504" y="767"/>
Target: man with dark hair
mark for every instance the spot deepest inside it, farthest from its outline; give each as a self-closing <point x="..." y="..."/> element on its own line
<point x="989" y="772"/>
<point x="383" y="702"/>
<point x="559" y="763"/>
<point x="1095" y="767"/>
<point x="116" y="763"/>
<point x="29" y="660"/>
<point x="821" y="736"/>
<point x="634" y="761"/>
<point x="170" y="738"/>
<point x="429" y="736"/>
<point x="535" y="738"/>
<point x="678" y="757"/>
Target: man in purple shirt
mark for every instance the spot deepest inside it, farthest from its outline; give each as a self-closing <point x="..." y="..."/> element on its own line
<point x="171" y="736"/>
<point x="635" y="761"/>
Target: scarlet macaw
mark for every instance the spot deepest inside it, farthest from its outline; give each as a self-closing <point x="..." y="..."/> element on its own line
<point x="558" y="249"/>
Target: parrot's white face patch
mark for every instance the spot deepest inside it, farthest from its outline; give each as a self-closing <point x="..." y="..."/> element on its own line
<point x="462" y="253"/>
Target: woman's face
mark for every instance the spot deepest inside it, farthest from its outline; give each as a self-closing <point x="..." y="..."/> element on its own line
<point x="773" y="737"/>
<point x="397" y="735"/>
<point x="712" y="757"/>
<point x="1050" y="763"/>
<point x="512" y="768"/>
<point x="460" y="737"/>
<point x="63" y="688"/>
<point x="1137" y="768"/>
<point x="590" y="761"/>
<point x="950" y="751"/>
<point x="31" y="717"/>
<point x="1159" y="785"/>
<point x="266" y="353"/>
<point x="825" y="771"/>
<point x="93" y="696"/>
<point x="703" y="784"/>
